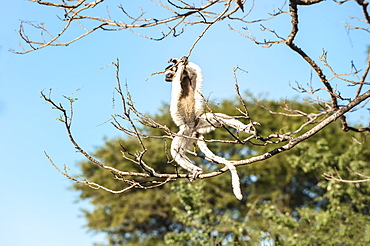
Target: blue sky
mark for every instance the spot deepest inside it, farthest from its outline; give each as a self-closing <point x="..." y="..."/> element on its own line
<point x="37" y="208"/>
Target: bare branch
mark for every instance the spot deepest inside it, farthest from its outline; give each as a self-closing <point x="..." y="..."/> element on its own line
<point x="340" y="179"/>
<point x="130" y="120"/>
<point x="209" y="25"/>
<point x="75" y="13"/>
<point x="364" y="5"/>
<point x="307" y="2"/>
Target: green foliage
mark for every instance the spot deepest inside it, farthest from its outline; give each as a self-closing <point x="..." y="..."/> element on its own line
<point x="286" y="199"/>
<point x="338" y="213"/>
<point x="193" y="214"/>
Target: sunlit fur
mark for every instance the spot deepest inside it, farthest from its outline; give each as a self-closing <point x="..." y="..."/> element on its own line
<point x="186" y="101"/>
<point x="187" y="113"/>
<point x="186" y="108"/>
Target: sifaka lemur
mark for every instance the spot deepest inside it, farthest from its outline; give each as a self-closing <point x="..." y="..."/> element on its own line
<point x="187" y="111"/>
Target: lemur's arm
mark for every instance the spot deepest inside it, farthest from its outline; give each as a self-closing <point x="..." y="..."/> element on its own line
<point x="186" y="98"/>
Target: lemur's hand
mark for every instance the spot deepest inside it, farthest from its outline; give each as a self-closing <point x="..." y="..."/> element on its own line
<point x="184" y="59"/>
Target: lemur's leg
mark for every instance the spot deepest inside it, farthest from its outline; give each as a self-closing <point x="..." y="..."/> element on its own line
<point x="179" y="147"/>
<point x="218" y="119"/>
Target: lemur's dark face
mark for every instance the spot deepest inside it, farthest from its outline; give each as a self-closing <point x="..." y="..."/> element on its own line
<point x="170" y="71"/>
<point x="188" y="74"/>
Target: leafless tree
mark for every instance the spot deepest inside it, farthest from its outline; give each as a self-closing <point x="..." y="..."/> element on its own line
<point x="181" y="14"/>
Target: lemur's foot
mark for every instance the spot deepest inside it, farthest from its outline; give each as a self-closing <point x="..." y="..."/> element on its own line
<point x="195" y="174"/>
<point x="249" y="129"/>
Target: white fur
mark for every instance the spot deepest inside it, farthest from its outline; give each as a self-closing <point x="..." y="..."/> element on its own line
<point x="176" y="93"/>
<point x="235" y="182"/>
<point x="205" y="123"/>
<point x="179" y="146"/>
